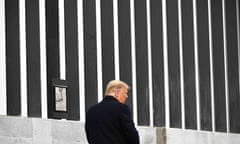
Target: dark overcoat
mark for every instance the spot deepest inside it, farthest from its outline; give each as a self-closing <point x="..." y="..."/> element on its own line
<point x="110" y="122"/>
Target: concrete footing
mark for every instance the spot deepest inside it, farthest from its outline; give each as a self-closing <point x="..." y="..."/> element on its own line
<point x="18" y="130"/>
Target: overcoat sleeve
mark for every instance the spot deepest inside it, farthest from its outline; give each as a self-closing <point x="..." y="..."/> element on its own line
<point x="128" y="126"/>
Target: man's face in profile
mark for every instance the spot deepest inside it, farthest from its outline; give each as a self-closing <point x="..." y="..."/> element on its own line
<point x="122" y="95"/>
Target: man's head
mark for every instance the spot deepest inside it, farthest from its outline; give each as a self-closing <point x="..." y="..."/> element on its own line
<point x="118" y="89"/>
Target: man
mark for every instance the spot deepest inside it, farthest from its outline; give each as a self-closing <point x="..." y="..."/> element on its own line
<point x="110" y="122"/>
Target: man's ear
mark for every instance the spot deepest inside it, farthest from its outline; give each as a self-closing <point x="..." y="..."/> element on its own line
<point x="117" y="93"/>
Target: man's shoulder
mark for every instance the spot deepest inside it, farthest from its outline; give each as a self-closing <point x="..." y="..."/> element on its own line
<point x="95" y="106"/>
<point x="120" y="105"/>
<point x="124" y="106"/>
<point x="109" y="105"/>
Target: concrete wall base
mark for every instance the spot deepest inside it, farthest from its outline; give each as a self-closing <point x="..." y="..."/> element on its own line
<point x="19" y="130"/>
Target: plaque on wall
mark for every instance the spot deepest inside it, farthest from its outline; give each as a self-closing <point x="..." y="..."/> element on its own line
<point x="60" y="98"/>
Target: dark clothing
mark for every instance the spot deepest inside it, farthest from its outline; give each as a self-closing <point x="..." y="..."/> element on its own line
<point x="109" y="122"/>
